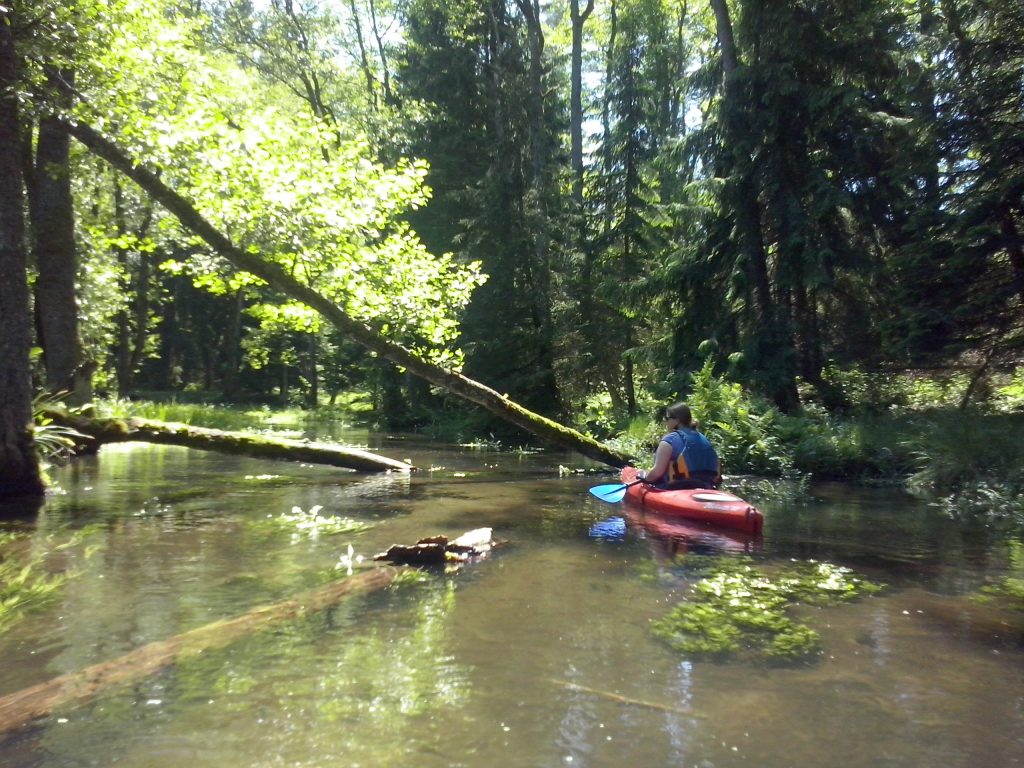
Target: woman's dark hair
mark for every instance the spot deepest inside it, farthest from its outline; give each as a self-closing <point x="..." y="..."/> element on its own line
<point x="680" y="411"/>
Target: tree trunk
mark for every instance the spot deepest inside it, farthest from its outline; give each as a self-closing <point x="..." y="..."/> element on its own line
<point x="100" y="432"/>
<point x="133" y="319"/>
<point x="540" y="272"/>
<point x="360" y="333"/>
<point x="774" y="341"/>
<point x="232" y="346"/>
<point x="53" y="230"/>
<point x="364" y="59"/>
<point x="726" y="43"/>
<point x="1015" y="250"/>
<point x="312" y="373"/>
<point x="586" y="277"/>
<point x="19" y="467"/>
<point x="576" y="99"/>
<point x="748" y="208"/>
<point x="389" y="97"/>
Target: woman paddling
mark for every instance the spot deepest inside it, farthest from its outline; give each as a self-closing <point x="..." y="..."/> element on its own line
<point x="684" y="457"/>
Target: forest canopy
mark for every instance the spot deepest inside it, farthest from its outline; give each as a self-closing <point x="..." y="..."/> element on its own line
<point x="574" y="203"/>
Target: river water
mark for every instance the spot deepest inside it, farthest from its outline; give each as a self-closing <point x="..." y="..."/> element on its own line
<point x="539" y="655"/>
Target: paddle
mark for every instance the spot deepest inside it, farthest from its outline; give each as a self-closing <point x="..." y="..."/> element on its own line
<point x="612" y="493"/>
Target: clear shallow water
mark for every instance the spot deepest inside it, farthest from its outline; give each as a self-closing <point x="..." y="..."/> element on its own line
<point x="540" y="655"/>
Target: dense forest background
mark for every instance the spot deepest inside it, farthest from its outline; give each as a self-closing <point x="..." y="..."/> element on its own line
<point x="581" y="204"/>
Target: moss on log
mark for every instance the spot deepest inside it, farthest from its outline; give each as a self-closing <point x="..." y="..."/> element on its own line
<point x="102" y="431"/>
<point x="24" y="707"/>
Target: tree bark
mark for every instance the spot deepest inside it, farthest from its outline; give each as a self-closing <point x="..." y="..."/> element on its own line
<point x="359" y="332"/>
<point x="389" y="97"/>
<point x="19" y="467"/>
<point x="539" y="273"/>
<point x="586" y="302"/>
<point x="233" y="346"/>
<point x="726" y="42"/>
<point x="364" y="59"/>
<point x="133" y="319"/>
<point x="22" y="708"/>
<point x="53" y="231"/>
<point x="579" y="18"/>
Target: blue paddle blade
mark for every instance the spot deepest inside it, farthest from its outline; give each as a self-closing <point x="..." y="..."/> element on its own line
<point x="610" y="493"/>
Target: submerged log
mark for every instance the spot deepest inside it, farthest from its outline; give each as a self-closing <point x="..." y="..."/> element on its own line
<point x="102" y="431"/>
<point x="618" y="698"/>
<point x="24" y="707"/>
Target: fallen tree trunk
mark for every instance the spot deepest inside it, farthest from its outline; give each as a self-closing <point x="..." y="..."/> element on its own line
<point x="102" y="431"/>
<point x="24" y="707"/>
<point x="277" y="278"/>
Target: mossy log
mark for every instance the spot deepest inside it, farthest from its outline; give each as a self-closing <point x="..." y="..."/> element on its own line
<point x="24" y="707"/>
<point x="361" y="333"/>
<point x="102" y="431"/>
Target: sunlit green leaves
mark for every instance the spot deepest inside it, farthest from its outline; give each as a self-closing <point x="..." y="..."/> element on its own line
<point x="250" y="156"/>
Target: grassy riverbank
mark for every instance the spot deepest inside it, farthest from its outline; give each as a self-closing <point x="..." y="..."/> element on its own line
<point x="353" y="410"/>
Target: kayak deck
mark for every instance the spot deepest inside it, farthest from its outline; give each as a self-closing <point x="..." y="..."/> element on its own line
<point x="704" y="505"/>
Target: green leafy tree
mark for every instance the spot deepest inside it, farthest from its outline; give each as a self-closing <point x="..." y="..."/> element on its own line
<point x="959" y="283"/>
<point x="811" y="132"/>
<point x="489" y="129"/>
<point x="629" y="200"/>
<point x="230" y="141"/>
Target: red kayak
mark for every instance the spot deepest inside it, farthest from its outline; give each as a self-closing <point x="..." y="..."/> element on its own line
<point x="703" y="505"/>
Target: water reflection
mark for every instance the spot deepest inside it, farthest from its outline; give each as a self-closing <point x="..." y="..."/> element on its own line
<point x="472" y="669"/>
<point x="670" y="537"/>
<point x="23" y="510"/>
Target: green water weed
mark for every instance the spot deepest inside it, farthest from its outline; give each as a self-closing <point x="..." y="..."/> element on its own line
<point x="1008" y="591"/>
<point x="738" y="608"/>
<point x="28" y="580"/>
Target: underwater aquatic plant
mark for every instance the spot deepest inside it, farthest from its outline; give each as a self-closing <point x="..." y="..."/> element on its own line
<point x="311" y="524"/>
<point x="737" y="607"/>
<point x="28" y="579"/>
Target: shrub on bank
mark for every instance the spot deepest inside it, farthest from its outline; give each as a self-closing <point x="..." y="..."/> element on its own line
<point x="898" y="430"/>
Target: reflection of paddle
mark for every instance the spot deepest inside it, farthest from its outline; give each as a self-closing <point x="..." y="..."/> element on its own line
<point x="612" y="493"/>
<point x="612" y="528"/>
